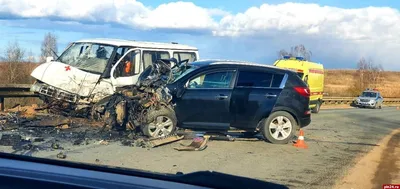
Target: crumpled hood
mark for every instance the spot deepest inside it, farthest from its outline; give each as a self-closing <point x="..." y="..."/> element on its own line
<point x="66" y="77"/>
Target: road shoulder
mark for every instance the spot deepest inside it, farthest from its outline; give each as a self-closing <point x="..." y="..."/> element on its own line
<point x="380" y="166"/>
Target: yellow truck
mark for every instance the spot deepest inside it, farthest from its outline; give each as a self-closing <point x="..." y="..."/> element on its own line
<point x="312" y="73"/>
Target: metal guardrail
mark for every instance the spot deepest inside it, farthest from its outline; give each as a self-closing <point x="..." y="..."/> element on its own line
<point x="349" y="100"/>
<point x="14" y="90"/>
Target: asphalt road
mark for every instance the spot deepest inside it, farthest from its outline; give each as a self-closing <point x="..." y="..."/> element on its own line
<point x="336" y="140"/>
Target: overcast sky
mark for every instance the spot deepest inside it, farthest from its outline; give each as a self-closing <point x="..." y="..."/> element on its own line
<point x="338" y="32"/>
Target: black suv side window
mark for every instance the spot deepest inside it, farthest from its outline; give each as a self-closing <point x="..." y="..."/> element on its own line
<point x="259" y="79"/>
<point x="219" y="80"/>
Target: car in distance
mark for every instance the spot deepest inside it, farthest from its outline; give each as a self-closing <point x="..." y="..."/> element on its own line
<point x="370" y="98"/>
<point x="223" y="95"/>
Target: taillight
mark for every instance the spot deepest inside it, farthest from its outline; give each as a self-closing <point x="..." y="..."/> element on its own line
<point x="303" y="91"/>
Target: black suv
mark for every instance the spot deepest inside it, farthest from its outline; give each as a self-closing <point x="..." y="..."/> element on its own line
<point x="223" y="95"/>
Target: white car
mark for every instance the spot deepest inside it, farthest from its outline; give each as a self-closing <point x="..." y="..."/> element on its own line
<point x="370" y="98"/>
<point x="89" y="70"/>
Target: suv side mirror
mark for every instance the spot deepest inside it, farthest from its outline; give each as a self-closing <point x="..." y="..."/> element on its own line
<point x="49" y="59"/>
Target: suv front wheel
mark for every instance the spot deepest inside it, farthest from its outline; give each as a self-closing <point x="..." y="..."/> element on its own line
<point x="160" y="123"/>
<point x="279" y="127"/>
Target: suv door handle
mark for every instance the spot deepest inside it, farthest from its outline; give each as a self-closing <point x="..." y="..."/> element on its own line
<point x="269" y="95"/>
<point x="221" y="97"/>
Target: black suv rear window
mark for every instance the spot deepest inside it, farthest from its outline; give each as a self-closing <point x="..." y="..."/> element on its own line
<point x="258" y="79"/>
<point x="277" y="80"/>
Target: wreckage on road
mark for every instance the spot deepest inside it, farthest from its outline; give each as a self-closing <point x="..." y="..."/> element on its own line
<point x="93" y="75"/>
<point x="90" y="70"/>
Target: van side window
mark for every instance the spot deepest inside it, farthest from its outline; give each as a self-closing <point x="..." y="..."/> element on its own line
<point x="127" y="65"/>
<point x="180" y="56"/>
<point x="151" y="56"/>
<point x="254" y="79"/>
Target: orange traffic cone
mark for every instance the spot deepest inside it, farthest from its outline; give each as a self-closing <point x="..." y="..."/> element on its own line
<point x="300" y="141"/>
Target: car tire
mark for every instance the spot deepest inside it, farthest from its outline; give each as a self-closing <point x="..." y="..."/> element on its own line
<point x="316" y="108"/>
<point x="273" y="120"/>
<point x="163" y="119"/>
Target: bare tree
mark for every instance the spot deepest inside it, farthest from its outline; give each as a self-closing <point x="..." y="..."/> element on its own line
<point x="368" y="75"/>
<point x="30" y="57"/>
<point x="49" y="46"/>
<point x="13" y="56"/>
<point x="298" y="50"/>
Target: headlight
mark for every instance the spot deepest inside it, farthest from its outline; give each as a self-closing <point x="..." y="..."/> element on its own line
<point x="35" y="87"/>
<point x="372" y="101"/>
<point x="358" y="100"/>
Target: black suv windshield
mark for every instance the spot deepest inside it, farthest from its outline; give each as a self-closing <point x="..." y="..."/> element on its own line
<point x="90" y="57"/>
<point x="181" y="72"/>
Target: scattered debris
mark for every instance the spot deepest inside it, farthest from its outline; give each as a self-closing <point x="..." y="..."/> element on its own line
<point x="52" y="122"/>
<point x="56" y="146"/>
<point x="198" y="144"/>
<point x="127" y="143"/>
<point x="78" y="141"/>
<point x="38" y="139"/>
<point x="25" y="111"/>
<point x="10" y="139"/>
<point x="141" y="143"/>
<point x="65" y="126"/>
<point x="61" y="155"/>
<point x="103" y="142"/>
<point x="166" y="140"/>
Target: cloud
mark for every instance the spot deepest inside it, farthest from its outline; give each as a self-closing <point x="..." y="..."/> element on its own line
<point x="330" y="32"/>
<point x="175" y="15"/>
<point x="363" y="24"/>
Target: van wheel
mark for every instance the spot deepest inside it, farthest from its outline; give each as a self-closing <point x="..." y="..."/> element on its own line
<point x="160" y="123"/>
<point x="316" y="108"/>
<point x="279" y="128"/>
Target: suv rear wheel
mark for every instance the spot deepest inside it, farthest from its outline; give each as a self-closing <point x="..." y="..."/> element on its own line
<point x="279" y="127"/>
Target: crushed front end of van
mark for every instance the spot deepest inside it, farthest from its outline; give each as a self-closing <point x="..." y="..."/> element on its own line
<point x="91" y="70"/>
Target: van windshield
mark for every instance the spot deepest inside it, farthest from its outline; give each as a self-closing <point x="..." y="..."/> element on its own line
<point x="89" y="57"/>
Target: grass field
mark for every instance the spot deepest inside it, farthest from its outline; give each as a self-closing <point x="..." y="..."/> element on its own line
<point x="341" y="82"/>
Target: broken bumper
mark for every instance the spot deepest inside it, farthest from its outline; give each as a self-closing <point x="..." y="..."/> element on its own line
<point x="53" y="92"/>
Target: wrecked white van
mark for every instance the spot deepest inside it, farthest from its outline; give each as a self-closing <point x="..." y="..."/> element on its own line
<point x="89" y="70"/>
